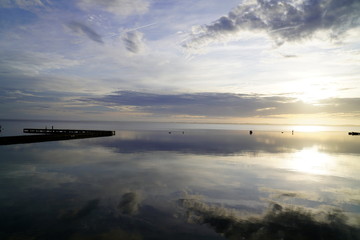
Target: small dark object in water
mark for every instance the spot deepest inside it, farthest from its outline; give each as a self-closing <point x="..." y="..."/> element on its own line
<point x="176" y="132"/>
<point x="251" y="132"/>
<point x="354" y="133"/>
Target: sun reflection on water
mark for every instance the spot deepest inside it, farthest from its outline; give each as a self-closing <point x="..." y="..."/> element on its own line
<point x="311" y="161"/>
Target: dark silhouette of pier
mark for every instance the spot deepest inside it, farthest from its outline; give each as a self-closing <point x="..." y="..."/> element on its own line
<point x="45" y="135"/>
<point x="67" y="131"/>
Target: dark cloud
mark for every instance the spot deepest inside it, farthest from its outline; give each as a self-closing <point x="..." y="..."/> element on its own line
<point x="133" y="41"/>
<point x="278" y="223"/>
<point x="85" y="30"/>
<point x="210" y="104"/>
<point x="341" y="105"/>
<point x="224" y="104"/>
<point x="282" y="20"/>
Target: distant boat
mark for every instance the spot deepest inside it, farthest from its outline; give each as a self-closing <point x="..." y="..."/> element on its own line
<point x="354" y="133"/>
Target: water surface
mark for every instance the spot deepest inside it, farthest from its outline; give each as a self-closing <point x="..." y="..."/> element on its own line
<point x="179" y="182"/>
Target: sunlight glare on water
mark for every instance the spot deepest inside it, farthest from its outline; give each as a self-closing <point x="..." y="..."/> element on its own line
<point x="311" y="161"/>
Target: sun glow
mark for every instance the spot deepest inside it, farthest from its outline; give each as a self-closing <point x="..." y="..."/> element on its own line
<point x="311" y="161"/>
<point x="311" y="90"/>
<point x="310" y="128"/>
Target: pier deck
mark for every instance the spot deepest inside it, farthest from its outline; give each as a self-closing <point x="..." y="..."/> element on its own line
<point x="45" y="135"/>
<point x="67" y="131"/>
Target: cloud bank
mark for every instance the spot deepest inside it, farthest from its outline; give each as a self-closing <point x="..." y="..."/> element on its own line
<point x="282" y="20"/>
<point x="224" y="104"/>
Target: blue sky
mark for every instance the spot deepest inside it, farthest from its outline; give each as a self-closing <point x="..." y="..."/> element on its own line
<point x="264" y="61"/>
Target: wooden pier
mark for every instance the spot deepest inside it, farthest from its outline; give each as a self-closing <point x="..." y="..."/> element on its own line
<point x="45" y="135"/>
<point x="68" y="131"/>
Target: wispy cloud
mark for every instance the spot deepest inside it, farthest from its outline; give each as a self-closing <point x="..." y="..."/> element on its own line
<point x="141" y="27"/>
<point x="85" y="30"/>
<point x="118" y="7"/>
<point x="29" y="63"/>
<point x="282" y="20"/>
<point x="133" y="41"/>
<point x="22" y="3"/>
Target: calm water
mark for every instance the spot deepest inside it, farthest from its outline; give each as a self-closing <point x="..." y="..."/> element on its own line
<point x="199" y="182"/>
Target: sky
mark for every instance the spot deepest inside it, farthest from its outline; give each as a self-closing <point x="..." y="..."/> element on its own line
<point x="212" y="61"/>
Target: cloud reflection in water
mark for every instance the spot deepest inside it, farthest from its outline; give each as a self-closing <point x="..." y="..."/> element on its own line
<point x="277" y="223"/>
<point x="229" y="142"/>
<point x="132" y="183"/>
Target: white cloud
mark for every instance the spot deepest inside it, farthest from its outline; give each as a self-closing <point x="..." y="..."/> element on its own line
<point x="281" y="20"/>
